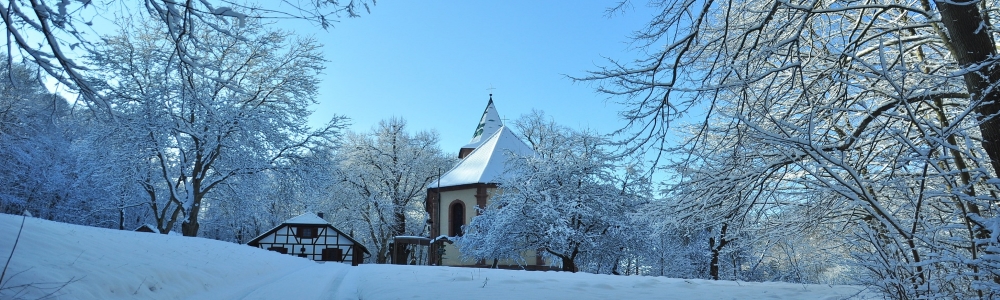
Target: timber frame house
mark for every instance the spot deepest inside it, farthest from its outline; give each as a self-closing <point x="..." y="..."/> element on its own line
<point x="309" y="236"/>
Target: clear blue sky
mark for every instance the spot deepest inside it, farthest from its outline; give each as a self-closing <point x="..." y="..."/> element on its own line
<point x="431" y="62"/>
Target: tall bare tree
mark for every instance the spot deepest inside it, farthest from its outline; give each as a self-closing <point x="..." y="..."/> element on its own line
<point x="52" y="34"/>
<point x="198" y="132"/>
<point x="387" y="172"/>
<point x="885" y="111"/>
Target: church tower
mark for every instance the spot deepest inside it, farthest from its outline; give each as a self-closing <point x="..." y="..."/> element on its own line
<point x="452" y="200"/>
<point x="489" y="124"/>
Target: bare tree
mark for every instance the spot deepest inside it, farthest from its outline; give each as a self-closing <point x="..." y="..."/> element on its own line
<point x="37" y="164"/>
<point x="387" y="171"/>
<point x="195" y="132"/>
<point x="883" y="110"/>
<point x="52" y="34"/>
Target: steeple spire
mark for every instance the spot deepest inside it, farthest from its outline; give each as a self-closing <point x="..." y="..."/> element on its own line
<point x="489" y="123"/>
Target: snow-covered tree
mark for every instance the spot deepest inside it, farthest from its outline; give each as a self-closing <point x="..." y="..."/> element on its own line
<point x="192" y="37"/>
<point x="239" y="112"/>
<point x="566" y="201"/>
<point x="875" y="117"/>
<point x="251" y="205"/>
<point x="386" y="173"/>
<point x="37" y="165"/>
<point x="55" y="165"/>
<point x="52" y="34"/>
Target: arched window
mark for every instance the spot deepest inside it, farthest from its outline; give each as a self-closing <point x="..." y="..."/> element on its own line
<point x="456" y="218"/>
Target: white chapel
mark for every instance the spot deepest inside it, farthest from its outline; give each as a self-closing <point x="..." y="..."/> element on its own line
<point x="452" y="201"/>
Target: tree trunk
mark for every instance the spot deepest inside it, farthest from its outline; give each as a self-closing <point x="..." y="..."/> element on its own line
<point x="568" y="261"/>
<point x="400" y="218"/>
<point x="190" y="226"/>
<point x="568" y="264"/>
<point x="713" y="270"/>
<point x="381" y="258"/>
<point x="971" y="44"/>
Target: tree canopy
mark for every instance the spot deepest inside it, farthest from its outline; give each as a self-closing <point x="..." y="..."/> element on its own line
<point x="877" y="116"/>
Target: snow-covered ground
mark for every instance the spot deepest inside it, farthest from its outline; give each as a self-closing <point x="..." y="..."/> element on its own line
<point x="77" y="262"/>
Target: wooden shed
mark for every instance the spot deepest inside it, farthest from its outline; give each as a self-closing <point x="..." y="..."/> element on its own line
<point x="311" y="237"/>
<point x="147" y="228"/>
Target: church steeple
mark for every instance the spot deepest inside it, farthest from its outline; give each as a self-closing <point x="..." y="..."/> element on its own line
<point x="488" y="125"/>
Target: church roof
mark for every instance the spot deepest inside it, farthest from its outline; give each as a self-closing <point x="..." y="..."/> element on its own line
<point x="488" y="125"/>
<point x="486" y="163"/>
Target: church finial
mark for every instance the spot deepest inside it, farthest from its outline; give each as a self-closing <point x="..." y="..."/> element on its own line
<point x="491" y="91"/>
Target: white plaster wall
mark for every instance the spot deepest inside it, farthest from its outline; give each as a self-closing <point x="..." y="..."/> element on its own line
<point x="453" y="256"/>
<point x="468" y="197"/>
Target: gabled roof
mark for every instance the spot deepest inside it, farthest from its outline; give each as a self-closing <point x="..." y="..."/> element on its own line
<point x="305" y="219"/>
<point x="486" y="163"/>
<point x="488" y="125"/>
<point x="147" y="228"/>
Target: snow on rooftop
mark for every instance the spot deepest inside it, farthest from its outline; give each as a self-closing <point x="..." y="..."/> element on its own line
<point x="486" y="163"/>
<point x="306" y="218"/>
<point x="488" y="125"/>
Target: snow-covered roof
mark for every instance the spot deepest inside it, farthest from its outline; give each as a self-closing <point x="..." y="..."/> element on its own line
<point x="147" y="226"/>
<point x="307" y="218"/>
<point x="486" y="163"/>
<point x="488" y="125"/>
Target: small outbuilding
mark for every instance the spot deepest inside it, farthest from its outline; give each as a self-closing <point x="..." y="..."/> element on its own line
<point x="309" y="236"/>
<point x="147" y="228"/>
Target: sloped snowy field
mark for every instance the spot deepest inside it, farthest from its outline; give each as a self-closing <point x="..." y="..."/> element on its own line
<point x="95" y="263"/>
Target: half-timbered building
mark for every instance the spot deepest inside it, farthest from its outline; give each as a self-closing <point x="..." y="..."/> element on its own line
<point x="311" y="237"/>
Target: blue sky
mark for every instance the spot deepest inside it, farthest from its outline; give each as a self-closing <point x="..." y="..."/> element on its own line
<point x="432" y="63"/>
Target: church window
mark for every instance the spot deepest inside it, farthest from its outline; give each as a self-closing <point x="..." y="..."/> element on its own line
<point x="456" y="218"/>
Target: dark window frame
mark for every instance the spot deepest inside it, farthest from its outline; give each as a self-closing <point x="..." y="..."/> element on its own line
<point x="312" y="230"/>
<point x="455" y="228"/>
<point x="336" y="254"/>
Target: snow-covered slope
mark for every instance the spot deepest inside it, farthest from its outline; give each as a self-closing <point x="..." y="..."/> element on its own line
<point x="101" y="263"/>
<point x="78" y="262"/>
<point x="418" y="282"/>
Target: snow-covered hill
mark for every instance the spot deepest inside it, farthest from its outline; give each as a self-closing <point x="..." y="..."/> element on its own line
<point x="77" y="262"/>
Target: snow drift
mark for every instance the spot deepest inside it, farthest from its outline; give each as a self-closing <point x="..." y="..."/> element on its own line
<point x="65" y="261"/>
